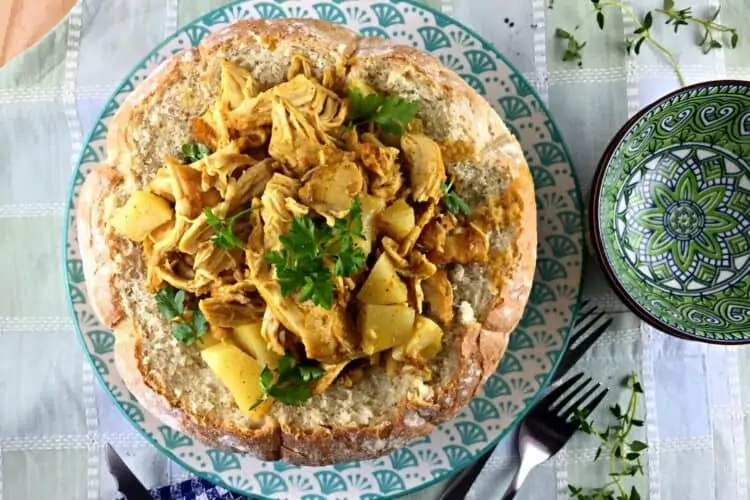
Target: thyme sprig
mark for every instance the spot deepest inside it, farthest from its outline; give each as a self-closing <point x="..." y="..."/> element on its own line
<point x="624" y="453"/>
<point x="714" y="34"/>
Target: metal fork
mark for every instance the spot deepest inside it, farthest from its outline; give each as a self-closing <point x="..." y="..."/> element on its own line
<point x="587" y="329"/>
<point x="590" y="324"/>
<point x="549" y="425"/>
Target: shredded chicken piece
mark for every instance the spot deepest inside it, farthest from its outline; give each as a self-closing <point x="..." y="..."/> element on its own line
<point x="299" y="65"/>
<point x="161" y="184"/>
<point x="217" y="169"/>
<point x="186" y="185"/>
<point x="255" y="246"/>
<point x="195" y="235"/>
<point x="237" y="84"/>
<point x="463" y="245"/>
<point x="391" y="248"/>
<point x="438" y="294"/>
<point x="417" y="292"/>
<point x="411" y="239"/>
<point x="211" y="261"/>
<point x="294" y="140"/>
<point x="330" y="189"/>
<point x="330" y="375"/>
<point x="426" y="168"/>
<point x="276" y="216"/>
<point x="250" y="184"/>
<point x="233" y="305"/>
<point x="197" y="285"/>
<point x="436" y="232"/>
<point x="323" y="107"/>
<point x="419" y="266"/>
<point x="380" y="161"/>
<point x="325" y="333"/>
<point x="270" y="330"/>
<point x="203" y="131"/>
<point x="157" y="246"/>
<point x="219" y="332"/>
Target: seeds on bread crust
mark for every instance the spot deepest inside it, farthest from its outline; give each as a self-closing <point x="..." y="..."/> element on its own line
<point x="405" y="383"/>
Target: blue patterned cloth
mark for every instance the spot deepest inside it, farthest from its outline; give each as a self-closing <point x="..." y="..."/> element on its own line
<point x="194" y="489"/>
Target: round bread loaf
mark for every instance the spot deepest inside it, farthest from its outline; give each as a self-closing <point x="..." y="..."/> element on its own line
<point x="379" y="411"/>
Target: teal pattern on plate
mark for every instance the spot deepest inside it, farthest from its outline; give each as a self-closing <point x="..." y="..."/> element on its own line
<point x="533" y="348"/>
<point x="676" y="198"/>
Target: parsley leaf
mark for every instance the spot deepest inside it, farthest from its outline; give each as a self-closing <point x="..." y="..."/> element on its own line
<point x="301" y="263"/>
<point x="170" y="302"/>
<point x="308" y="373"/>
<point x="350" y="262"/>
<point x="224" y="236"/>
<point x="291" y="394"/>
<point x="187" y="333"/>
<point x="183" y="332"/>
<point x="292" y="386"/>
<point x="453" y="202"/>
<point x="395" y="114"/>
<point x="391" y="113"/>
<point x="192" y="152"/>
<point x="200" y="324"/>
<point x="319" y="289"/>
<point x="363" y="107"/>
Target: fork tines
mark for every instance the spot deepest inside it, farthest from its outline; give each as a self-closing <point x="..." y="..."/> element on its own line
<point x="590" y="324"/>
<point x="574" y="397"/>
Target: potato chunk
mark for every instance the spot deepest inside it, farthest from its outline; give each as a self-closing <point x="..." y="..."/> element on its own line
<point x="426" y="342"/>
<point x="397" y="220"/>
<point x="207" y="340"/>
<point x="249" y="339"/>
<point x="141" y="214"/>
<point x="383" y="286"/>
<point x="240" y="373"/>
<point x="385" y="326"/>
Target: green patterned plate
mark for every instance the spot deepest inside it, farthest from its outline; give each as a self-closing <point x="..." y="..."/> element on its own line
<point x="533" y="348"/>
<point x="671" y="213"/>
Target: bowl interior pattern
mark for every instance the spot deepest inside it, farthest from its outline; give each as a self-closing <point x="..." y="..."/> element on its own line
<point x="674" y="213"/>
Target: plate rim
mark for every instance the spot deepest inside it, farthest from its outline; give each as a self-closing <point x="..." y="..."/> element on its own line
<point x="578" y="202"/>
<point x="595" y="223"/>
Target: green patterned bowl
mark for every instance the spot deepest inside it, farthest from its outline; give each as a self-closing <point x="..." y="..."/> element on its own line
<point x="671" y="213"/>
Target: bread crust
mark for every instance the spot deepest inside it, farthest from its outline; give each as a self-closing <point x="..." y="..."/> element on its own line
<point x="480" y="346"/>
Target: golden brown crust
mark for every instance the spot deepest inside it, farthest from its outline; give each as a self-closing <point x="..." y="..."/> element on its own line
<point x="471" y="119"/>
<point x="93" y="244"/>
<point x="264" y="442"/>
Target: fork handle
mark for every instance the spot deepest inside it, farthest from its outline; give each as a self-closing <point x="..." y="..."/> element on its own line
<point x="513" y="487"/>
<point x="528" y="462"/>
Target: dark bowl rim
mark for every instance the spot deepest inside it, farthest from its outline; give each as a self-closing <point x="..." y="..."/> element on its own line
<point x="594" y="223"/>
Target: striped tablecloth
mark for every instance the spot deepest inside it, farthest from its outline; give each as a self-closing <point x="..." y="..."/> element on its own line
<point x="54" y="420"/>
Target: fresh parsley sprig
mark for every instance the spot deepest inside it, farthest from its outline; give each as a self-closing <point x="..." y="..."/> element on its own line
<point x="301" y="264"/>
<point x="224" y="236"/>
<point x="193" y="151"/>
<point x="391" y="113"/>
<point x="293" y="383"/>
<point x="187" y="325"/>
<point x="453" y="202"/>
<point x="624" y="453"/>
<point x="713" y="32"/>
